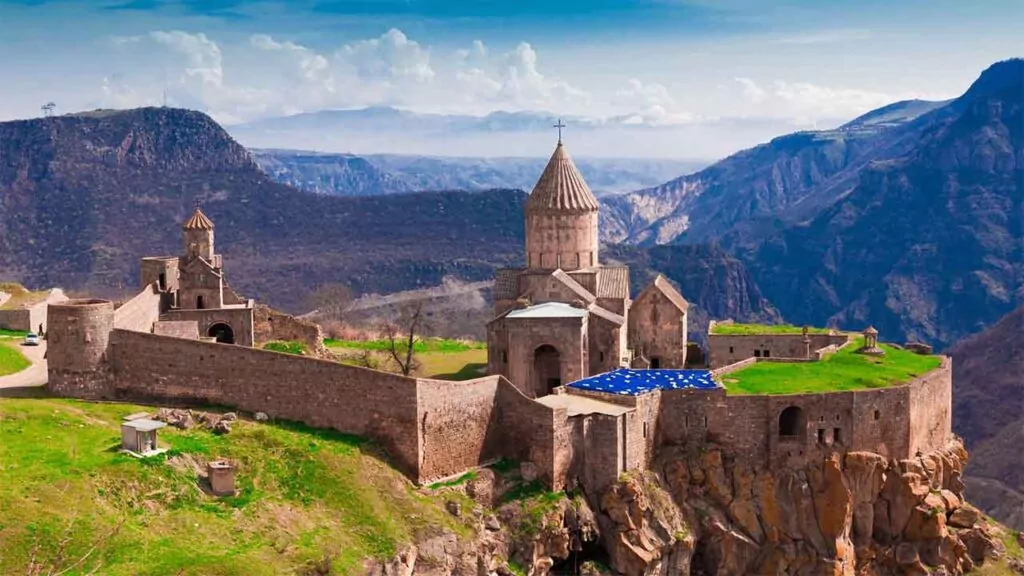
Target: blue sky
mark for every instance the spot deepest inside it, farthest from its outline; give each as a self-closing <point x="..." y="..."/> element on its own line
<point x="665" y="62"/>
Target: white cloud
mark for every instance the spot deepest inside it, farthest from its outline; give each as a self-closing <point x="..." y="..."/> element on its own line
<point x="643" y="95"/>
<point x="751" y="90"/>
<point x="393" y="55"/>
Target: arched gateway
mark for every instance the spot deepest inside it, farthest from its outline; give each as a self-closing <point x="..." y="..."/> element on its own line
<point x="547" y="369"/>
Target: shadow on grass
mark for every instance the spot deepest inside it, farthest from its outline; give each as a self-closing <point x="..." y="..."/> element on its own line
<point x="468" y="372"/>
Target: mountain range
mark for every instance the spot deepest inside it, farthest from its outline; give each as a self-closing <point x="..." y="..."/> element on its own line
<point x="373" y="174"/>
<point x="908" y="217"/>
<point x="504" y="134"/>
<point x="84" y="196"/>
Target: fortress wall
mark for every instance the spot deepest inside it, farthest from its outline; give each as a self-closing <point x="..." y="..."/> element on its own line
<point x="535" y="433"/>
<point x="880" y="422"/>
<point x="378" y="405"/>
<point x="457" y="425"/>
<point x="686" y="414"/>
<point x="139" y="313"/>
<point x="270" y="325"/>
<point x="741" y="423"/>
<point x="931" y="398"/>
<point x="77" y="339"/>
<point x="727" y="349"/>
<point x="178" y="328"/>
<point x="604" y="457"/>
<point x="18" y="319"/>
<point x="642" y="430"/>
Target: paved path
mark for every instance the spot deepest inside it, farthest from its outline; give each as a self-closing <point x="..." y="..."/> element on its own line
<point x="34" y="375"/>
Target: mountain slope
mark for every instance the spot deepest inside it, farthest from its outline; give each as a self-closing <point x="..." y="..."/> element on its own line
<point x="84" y="196"/>
<point x="988" y="409"/>
<point x="927" y="245"/>
<point x="754" y="192"/>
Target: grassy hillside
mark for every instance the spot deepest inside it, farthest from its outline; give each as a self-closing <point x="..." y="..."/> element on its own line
<point x="11" y="360"/>
<point x="70" y="496"/>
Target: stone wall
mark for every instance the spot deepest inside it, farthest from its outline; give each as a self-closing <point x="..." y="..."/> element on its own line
<point x="569" y="336"/>
<point x="239" y="319"/>
<point x="139" y="313"/>
<point x="270" y="325"/>
<point x="658" y="329"/>
<point x="30" y="318"/>
<point x="79" y="332"/>
<point x="931" y="402"/>
<point x="533" y="432"/>
<point x="320" y="393"/>
<point x="458" y="425"/>
<point x="727" y="349"/>
<point x="187" y="329"/>
<point x="161" y="271"/>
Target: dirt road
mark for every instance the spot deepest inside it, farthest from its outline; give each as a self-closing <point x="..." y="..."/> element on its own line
<point x="34" y="375"/>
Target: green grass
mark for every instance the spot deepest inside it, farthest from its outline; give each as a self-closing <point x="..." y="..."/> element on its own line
<point x="438" y="358"/>
<point x="844" y="370"/>
<point x="303" y="494"/>
<point x="4" y="333"/>
<point x="753" y="329"/>
<point x="454" y="482"/>
<point x="443" y="345"/>
<point x="12" y="360"/>
<point x="286" y="347"/>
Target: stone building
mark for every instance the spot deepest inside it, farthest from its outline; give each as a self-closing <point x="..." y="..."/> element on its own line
<point x="193" y="290"/>
<point x="565" y="316"/>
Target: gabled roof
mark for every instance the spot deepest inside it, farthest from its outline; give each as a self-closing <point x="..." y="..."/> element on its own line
<point x="613" y="282"/>
<point x="661" y="284"/>
<point x="573" y="285"/>
<point x="506" y="284"/>
<point x="561" y="187"/>
<point x="198" y="221"/>
<point x="606" y="314"/>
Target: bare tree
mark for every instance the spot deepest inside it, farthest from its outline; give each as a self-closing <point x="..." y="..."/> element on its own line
<point x="401" y="337"/>
<point x="331" y="301"/>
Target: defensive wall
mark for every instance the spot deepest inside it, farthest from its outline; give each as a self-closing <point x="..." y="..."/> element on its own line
<point x="771" y="431"/>
<point x="431" y="428"/>
<point x="726" y="349"/>
<point x="30" y="316"/>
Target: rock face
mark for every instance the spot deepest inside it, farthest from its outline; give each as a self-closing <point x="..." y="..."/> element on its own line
<point x="859" y="514"/>
<point x="706" y="514"/>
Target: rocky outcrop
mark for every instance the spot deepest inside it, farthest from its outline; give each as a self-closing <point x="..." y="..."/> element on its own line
<point x="847" y="516"/>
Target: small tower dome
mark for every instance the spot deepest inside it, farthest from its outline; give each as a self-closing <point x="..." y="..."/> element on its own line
<point x="198" y="233"/>
<point x="561" y="217"/>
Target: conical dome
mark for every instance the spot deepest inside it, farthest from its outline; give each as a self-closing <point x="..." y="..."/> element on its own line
<point x="561" y="187"/>
<point x="198" y="221"/>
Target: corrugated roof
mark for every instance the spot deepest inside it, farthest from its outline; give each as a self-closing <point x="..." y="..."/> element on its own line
<point x="629" y="382"/>
<point x="561" y="187"/>
<point x="506" y="284"/>
<point x="198" y="221"/>
<point x="613" y="282"/>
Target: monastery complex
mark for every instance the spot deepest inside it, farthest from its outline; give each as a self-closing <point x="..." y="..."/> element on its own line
<point x="585" y="381"/>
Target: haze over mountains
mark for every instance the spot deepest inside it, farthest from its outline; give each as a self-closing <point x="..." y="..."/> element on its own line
<point x="373" y="174"/>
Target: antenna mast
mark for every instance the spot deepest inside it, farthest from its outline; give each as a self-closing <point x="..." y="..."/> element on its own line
<point x="48" y="109"/>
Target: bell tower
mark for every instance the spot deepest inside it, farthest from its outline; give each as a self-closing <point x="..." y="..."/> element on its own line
<point x="561" y="217"/>
<point x="198" y="233"/>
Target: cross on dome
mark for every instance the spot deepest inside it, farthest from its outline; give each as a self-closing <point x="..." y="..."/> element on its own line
<point x="559" y="125"/>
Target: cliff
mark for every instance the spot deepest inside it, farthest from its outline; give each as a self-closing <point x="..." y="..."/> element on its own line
<point x="708" y="514"/>
<point x="988" y="409"/>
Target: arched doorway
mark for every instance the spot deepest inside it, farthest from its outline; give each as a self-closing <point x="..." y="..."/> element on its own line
<point x="547" y="369"/>
<point x="792" y="424"/>
<point x="222" y="332"/>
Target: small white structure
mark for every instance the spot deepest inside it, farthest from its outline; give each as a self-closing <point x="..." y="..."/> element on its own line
<point x="138" y="437"/>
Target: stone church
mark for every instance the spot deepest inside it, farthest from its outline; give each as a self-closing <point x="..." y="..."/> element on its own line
<point x="564" y="316"/>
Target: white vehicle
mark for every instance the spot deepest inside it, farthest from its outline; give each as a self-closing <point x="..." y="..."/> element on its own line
<point x="31" y="339"/>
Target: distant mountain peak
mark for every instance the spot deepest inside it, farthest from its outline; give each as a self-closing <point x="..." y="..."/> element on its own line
<point x="1000" y="76"/>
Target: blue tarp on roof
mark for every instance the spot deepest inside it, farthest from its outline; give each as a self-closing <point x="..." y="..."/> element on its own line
<point x="635" y="382"/>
